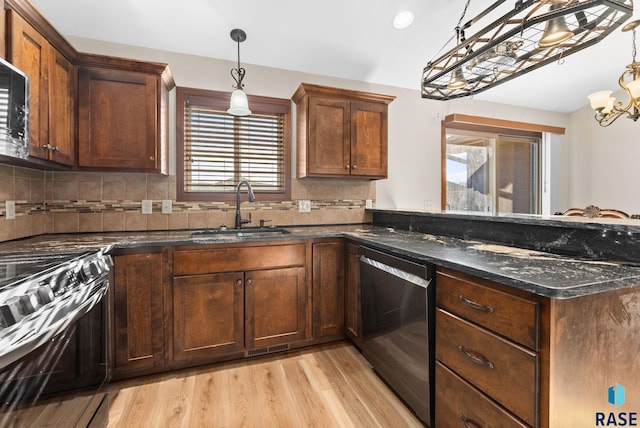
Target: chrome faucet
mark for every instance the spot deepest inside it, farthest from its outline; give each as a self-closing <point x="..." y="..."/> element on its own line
<point x="239" y="220"/>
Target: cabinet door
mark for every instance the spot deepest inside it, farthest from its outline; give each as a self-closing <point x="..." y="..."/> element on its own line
<point x="328" y="145"/>
<point x="138" y="312"/>
<point x="30" y="53"/>
<point x="328" y="289"/>
<point x="117" y="120"/>
<point x="352" y="294"/>
<point x="208" y="315"/>
<point x="276" y="306"/>
<point x="62" y="95"/>
<point x="369" y="139"/>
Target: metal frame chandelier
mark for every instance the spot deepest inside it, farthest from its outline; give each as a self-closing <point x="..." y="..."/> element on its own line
<point x="534" y="33"/>
<point x="606" y="107"/>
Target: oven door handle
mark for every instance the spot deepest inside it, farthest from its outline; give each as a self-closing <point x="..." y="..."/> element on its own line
<point x="406" y="276"/>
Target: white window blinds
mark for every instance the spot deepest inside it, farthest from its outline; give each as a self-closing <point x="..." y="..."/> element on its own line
<point x="220" y="150"/>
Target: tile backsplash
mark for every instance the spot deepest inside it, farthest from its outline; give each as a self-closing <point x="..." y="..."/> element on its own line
<point x="68" y="202"/>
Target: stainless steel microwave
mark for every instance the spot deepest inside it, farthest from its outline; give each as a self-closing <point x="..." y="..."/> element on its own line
<point x="14" y="111"/>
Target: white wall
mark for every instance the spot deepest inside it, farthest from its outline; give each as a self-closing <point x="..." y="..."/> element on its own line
<point x="414" y="123"/>
<point x="603" y="169"/>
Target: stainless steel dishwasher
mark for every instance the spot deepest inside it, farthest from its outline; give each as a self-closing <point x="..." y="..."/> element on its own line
<point x="398" y="325"/>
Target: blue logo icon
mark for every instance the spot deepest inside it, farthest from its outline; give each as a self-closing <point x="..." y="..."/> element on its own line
<point x="616" y="395"/>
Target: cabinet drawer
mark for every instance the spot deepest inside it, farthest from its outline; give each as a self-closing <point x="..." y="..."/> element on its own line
<point x="504" y="371"/>
<point x="507" y="315"/>
<point x="458" y="403"/>
<point x="226" y="259"/>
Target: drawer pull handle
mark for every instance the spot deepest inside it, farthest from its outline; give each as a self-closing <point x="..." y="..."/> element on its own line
<point x="475" y="305"/>
<point x="468" y="423"/>
<point x="475" y="358"/>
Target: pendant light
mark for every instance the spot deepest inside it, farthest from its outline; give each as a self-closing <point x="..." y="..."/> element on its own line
<point x="239" y="105"/>
<point x="556" y="30"/>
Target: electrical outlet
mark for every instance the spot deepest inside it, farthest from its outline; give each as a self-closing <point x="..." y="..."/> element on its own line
<point x="10" y="208"/>
<point x="147" y="206"/>
<point x="167" y="206"/>
<point x="304" y="206"/>
<point x="368" y="203"/>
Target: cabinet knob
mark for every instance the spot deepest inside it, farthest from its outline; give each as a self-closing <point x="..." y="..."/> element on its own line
<point x="249" y="281"/>
<point x="347" y="167"/>
<point x="355" y="166"/>
<point x="152" y="158"/>
<point x="238" y="282"/>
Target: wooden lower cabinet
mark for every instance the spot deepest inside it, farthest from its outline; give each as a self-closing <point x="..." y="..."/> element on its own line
<point x="237" y="298"/>
<point x="208" y="315"/>
<point x="188" y="305"/>
<point x="138" y="312"/>
<point x="328" y="289"/>
<point x="352" y="294"/>
<point x="484" y="374"/>
<point x="502" y="370"/>
<point x="505" y="357"/>
<point x="276" y="306"/>
<point x="460" y="404"/>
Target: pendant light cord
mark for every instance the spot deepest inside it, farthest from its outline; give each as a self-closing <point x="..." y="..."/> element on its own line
<point x="464" y="12"/>
<point x="457" y="36"/>
<point x="633" y="44"/>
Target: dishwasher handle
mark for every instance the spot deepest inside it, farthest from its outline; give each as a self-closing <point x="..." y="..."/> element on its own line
<point x="414" y="279"/>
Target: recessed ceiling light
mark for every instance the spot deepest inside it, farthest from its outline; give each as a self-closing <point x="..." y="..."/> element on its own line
<point x="403" y="19"/>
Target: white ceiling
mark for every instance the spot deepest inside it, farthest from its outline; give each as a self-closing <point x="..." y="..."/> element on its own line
<point x="350" y="39"/>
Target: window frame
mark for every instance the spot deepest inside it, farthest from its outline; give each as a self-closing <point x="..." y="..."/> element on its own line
<point x="220" y="100"/>
<point x="493" y="126"/>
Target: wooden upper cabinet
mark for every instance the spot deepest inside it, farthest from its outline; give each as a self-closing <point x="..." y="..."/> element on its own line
<point x="341" y="133"/>
<point x="30" y="53"/>
<point x="329" y="148"/>
<point x="52" y="92"/>
<point x="3" y="31"/>
<point x="369" y="139"/>
<point x="123" y="115"/>
<point x="63" y="83"/>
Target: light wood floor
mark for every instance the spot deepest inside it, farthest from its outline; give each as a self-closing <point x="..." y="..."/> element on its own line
<point x="326" y="386"/>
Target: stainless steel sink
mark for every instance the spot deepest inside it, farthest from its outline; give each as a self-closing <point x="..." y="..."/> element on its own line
<point x="244" y="231"/>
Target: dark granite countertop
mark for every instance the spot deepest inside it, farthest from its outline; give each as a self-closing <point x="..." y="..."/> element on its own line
<point x="542" y="273"/>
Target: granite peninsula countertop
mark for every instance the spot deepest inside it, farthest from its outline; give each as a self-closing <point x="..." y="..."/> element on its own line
<point x="542" y="273"/>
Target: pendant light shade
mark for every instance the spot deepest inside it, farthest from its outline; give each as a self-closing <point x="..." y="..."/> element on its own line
<point x="239" y="104"/>
<point x="457" y="80"/>
<point x="556" y="30"/>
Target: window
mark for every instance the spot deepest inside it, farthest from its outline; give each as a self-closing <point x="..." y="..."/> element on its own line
<point x="217" y="150"/>
<point x="487" y="171"/>
<point x="492" y="166"/>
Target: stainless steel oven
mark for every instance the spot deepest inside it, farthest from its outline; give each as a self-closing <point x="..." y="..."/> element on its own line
<point x="53" y="346"/>
<point x="398" y="326"/>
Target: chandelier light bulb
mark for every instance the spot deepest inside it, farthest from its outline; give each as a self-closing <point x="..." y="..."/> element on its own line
<point x="599" y="99"/>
